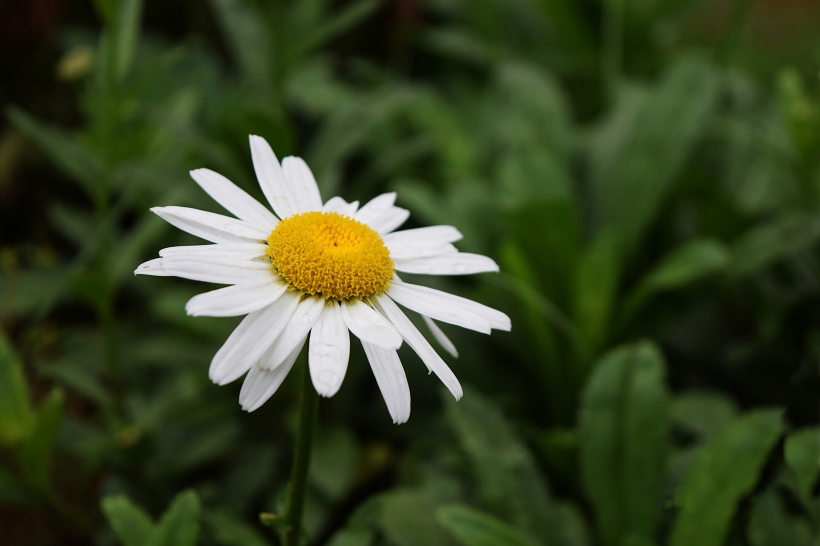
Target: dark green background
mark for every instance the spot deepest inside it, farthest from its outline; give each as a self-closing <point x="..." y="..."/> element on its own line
<point x="646" y="173"/>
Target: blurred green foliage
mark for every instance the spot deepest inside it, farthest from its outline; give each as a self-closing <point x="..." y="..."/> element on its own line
<point x="646" y="172"/>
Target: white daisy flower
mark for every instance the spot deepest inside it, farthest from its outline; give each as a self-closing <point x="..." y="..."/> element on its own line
<point x="323" y="270"/>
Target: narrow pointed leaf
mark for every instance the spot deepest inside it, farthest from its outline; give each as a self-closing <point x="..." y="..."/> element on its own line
<point x="624" y="427"/>
<point x="15" y="409"/>
<point x="130" y="522"/>
<point x="473" y="528"/>
<point x="508" y="480"/>
<point x="802" y="451"/>
<point x="179" y="525"/>
<point x="725" y="471"/>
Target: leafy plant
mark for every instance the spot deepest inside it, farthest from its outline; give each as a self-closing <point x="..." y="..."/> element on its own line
<point x="645" y="173"/>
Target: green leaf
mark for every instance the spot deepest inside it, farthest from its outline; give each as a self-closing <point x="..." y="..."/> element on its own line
<point x="800" y="111"/>
<point x="313" y="88"/>
<point x="550" y="234"/>
<point x="106" y="9"/>
<point x="624" y="428"/>
<point x="407" y="519"/>
<point x="35" y="449"/>
<point x="474" y="528"/>
<point x="126" y="36"/>
<point x="34" y="291"/>
<point x="232" y="531"/>
<point x="547" y="366"/>
<point x="684" y="265"/>
<point x="131" y="524"/>
<point x="573" y="529"/>
<point x="132" y="247"/>
<point x="248" y="477"/>
<point x="802" y="452"/>
<point x="72" y="223"/>
<point x="198" y="448"/>
<point x="764" y="245"/>
<point x="509" y="481"/>
<point x="759" y="174"/>
<point x="533" y="176"/>
<point x="334" y="461"/>
<point x="91" y="286"/>
<point x="531" y="112"/>
<point x="346" y="130"/>
<point x="78" y="378"/>
<point x="771" y="524"/>
<point x="362" y="525"/>
<point x="638" y="154"/>
<point x="179" y="525"/>
<point x="16" y="416"/>
<point x="63" y="150"/>
<point x="726" y="469"/>
<point x="704" y="414"/>
<point x="454" y="146"/>
<point x="596" y="284"/>
<point x="249" y="41"/>
<point x="348" y="17"/>
<point x="119" y="40"/>
<point x="456" y="44"/>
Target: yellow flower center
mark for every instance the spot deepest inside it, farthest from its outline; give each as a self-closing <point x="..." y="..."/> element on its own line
<point x="330" y="254"/>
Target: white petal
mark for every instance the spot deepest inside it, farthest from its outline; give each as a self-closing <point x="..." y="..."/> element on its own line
<point x="414" y="338"/>
<point x="405" y="250"/>
<point x="218" y="270"/>
<point x="209" y="226"/>
<point x="392" y="382"/>
<point x="454" y="263"/>
<point x="434" y="304"/>
<point x="368" y="325"/>
<point x="239" y="251"/>
<point x="302" y="184"/>
<point x="431" y="234"/>
<point x="496" y="319"/>
<point x="234" y="199"/>
<point x="440" y="336"/>
<point x="260" y="384"/>
<point x="422" y="242"/>
<point x="272" y="178"/>
<point x="236" y="300"/>
<point x="329" y="350"/>
<point x="303" y="319"/>
<point x="251" y="339"/>
<point x="375" y="208"/>
<point x="390" y="220"/>
<point x="337" y="204"/>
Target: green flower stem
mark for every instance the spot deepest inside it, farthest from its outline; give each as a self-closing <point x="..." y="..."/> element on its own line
<point x="308" y="406"/>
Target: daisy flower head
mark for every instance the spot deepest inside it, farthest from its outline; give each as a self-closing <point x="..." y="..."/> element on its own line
<point x="317" y="270"/>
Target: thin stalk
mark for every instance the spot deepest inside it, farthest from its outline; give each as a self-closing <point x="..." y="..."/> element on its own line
<point x="308" y="406"/>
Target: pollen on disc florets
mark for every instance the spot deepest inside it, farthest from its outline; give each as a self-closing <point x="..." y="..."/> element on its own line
<point x="330" y="254"/>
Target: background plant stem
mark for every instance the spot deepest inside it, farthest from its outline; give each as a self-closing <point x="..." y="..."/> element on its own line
<point x="308" y="405"/>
